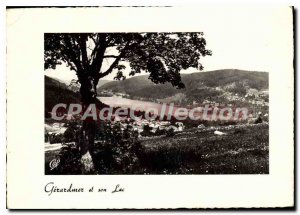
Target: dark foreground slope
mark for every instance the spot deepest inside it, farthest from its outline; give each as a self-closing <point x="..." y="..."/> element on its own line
<point x="243" y="150"/>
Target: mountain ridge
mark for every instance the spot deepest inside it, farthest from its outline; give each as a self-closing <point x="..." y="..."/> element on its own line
<point x="201" y="84"/>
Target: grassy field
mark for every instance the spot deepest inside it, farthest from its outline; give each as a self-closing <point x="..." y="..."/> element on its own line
<point x="243" y="150"/>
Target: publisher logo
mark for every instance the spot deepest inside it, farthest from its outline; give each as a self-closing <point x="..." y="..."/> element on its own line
<point x="54" y="163"/>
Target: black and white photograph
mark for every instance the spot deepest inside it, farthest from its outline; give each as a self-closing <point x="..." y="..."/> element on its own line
<point x="142" y="103"/>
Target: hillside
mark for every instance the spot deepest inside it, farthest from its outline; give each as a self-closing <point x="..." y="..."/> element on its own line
<point x="57" y="92"/>
<point x="102" y="82"/>
<point x="244" y="150"/>
<point x="199" y="86"/>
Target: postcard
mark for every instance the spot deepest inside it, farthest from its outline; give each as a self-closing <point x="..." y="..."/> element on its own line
<point x="150" y="107"/>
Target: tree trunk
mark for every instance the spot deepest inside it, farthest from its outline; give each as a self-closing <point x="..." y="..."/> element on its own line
<point x="87" y="146"/>
<point x="88" y="96"/>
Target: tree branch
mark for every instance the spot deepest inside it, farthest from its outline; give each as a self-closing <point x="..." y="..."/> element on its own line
<point x="98" y="54"/>
<point x="115" y="63"/>
<point x="82" y="44"/>
<point x="71" y="54"/>
<point x="95" y="39"/>
<point x="110" y="56"/>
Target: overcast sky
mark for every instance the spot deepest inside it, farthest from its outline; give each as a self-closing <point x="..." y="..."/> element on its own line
<point x="246" y="39"/>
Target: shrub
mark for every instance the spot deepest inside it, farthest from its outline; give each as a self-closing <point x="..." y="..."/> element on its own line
<point x="56" y="138"/>
<point x="115" y="151"/>
<point x="170" y="132"/>
<point x="68" y="162"/>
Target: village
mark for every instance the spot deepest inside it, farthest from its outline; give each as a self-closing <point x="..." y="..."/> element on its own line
<point x="58" y="132"/>
<point x="258" y="100"/>
<point x="55" y="132"/>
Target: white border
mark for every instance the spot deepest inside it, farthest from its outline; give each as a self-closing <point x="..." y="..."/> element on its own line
<point x="117" y="3"/>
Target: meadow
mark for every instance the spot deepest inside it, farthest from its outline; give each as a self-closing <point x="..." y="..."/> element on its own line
<point x="243" y="149"/>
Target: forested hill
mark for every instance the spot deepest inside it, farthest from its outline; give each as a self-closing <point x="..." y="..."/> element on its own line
<point x="203" y="84"/>
<point x="57" y="92"/>
<point x="214" y="86"/>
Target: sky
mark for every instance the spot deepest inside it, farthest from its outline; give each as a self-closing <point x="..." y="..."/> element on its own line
<point x="247" y="38"/>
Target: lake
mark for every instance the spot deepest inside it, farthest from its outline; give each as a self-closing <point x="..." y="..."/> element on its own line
<point x="116" y="101"/>
<point x="152" y="107"/>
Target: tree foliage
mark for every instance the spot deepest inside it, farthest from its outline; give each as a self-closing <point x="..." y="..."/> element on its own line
<point x="162" y="55"/>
